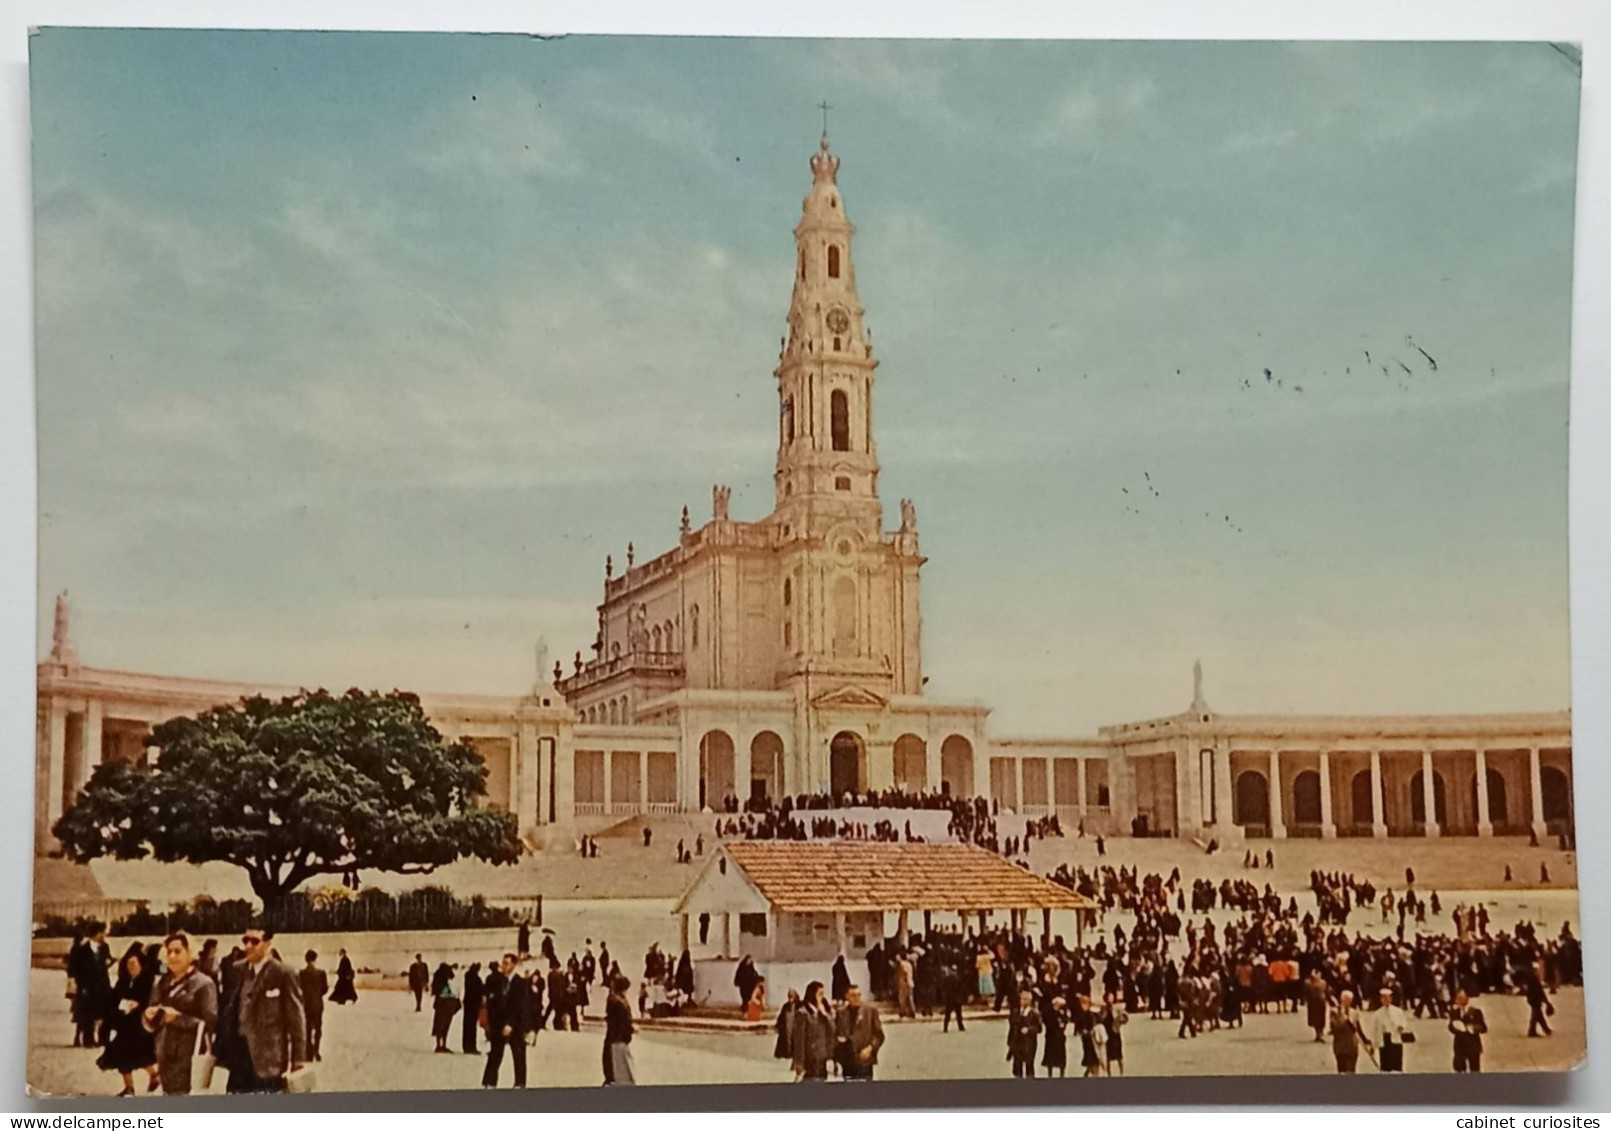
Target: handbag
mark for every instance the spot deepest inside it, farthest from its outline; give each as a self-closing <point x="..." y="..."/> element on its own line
<point x="203" y="1071"/>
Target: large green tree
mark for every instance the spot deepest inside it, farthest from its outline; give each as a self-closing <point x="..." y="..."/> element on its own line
<point x="312" y="784"/>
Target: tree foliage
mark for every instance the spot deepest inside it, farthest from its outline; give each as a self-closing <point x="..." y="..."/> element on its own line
<point x="313" y="784"/>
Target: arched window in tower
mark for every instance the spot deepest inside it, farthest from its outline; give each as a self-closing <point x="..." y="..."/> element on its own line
<point x="788" y="592"/>
<point x="693" y="627"/>
<point x="788" y="420"/>
<point x="833" y="261"/>
<point x="802" y="264"/>
<point x="839" y="409"/>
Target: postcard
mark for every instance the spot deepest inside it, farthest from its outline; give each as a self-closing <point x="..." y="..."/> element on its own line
<point x="507" y="620"/>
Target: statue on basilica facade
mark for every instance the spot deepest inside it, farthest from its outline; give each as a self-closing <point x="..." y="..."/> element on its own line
<point x="719" y="498"/>
<point x="908" y="517"/>
<point x="61" y="645"/>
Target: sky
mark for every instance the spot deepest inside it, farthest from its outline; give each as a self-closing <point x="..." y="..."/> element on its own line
<point x="359" y="352"/>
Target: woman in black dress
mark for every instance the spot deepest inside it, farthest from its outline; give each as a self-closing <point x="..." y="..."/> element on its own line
<point x="1085" y="1024"/>
<point x="685" y="976"/>
<point x="472" y="1005"/>
<point x="1054" y="1021"/>
<point x="346" y="990"/>
<point x="1114" y="1019"/>
<point x="131" y="1046"/>
<point x="781" y="1050"/>
<point x="445" y="1004"/>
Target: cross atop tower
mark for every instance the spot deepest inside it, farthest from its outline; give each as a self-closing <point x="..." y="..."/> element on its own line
<point x="824" y="107"/>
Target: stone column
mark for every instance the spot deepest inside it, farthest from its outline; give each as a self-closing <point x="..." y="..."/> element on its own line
<point x="1223" y="788"/>
<point x="1485" y="826"/>
<point x="1535" y="777"/>
<point x="643" y="781"/>
<point x="1328" y="828"/>
<point x="981" y="766"/>
<point x="743" y="770"/>
<point x="1121" y="790"/>
<point x="1187" y="791"/>
<point x="526" y="803"/>
<point x="89" y="743"/>
<point x="932" y="771"/>
<point x="1079" y="786"/>
<point x="609" y="781"/>
<point x="1378" y="805"/>
<point x="1278" y="824"/>
<point x="564" y="754"/>
<point x="1429" y="794"/>
<point x="1018" y="786"/>
<point x="57" y="780"/>
<point x="880" y="765"/>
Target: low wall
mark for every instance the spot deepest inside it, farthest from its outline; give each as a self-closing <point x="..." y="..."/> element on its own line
<point x="713" y="979"/>
<point x="384" y="952"/>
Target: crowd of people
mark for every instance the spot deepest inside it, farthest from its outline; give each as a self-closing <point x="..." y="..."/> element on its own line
<point x="816" y="816"/>
<point x="516" y="996"/>
<point x="247" y="1012"/>
<point x="1201" y="955"/>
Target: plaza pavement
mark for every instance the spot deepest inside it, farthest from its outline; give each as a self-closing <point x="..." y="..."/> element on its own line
<point x="380" y="1043"/>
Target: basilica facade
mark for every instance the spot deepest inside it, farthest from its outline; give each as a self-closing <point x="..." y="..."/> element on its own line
<point x="783" y="655"/>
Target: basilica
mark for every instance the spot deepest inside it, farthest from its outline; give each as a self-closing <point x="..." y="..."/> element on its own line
<point x="783" y="655"/>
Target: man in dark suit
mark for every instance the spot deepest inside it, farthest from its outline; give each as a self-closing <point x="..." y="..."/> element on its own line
<point x="419" y="977"/>
<point x="1468" y="1025"/>
<point x="273" y="1025"/>
<point x="953" y="992"/>
<point x="315" y="985"/>
<point x="1538" y="1004"/>
<point x="859" y="1033"/>
<point x="508" y="997"/>
<point x="559" y="990"/>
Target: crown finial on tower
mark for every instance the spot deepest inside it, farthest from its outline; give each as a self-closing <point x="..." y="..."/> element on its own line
<point x="824" y="165"/>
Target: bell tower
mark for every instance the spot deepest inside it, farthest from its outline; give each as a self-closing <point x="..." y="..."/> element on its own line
<point x="827" y="466"/>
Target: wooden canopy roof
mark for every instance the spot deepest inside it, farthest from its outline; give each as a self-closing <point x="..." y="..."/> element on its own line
<point x="873" y="876"/>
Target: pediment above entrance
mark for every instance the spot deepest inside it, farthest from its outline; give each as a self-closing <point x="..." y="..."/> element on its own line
<point x="850" y="696"/>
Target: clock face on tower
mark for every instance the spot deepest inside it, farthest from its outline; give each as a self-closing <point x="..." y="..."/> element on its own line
<point x="838" y="320"/>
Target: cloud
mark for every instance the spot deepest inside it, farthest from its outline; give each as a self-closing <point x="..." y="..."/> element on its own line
<point x="1266" y="137"/>
<point x="911" y="77"/>
<point x="90" y="247"/>
<point x="1549" y="173"/>
<point x="1092" y="108"/>
<point x="499" y="131"/>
